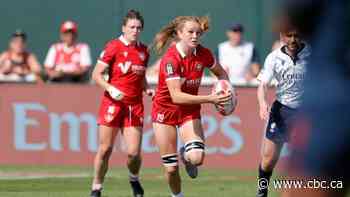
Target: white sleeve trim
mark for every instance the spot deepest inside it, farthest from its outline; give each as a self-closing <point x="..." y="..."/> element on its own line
<point x="102" y="62"/>
<point x="172" y="78"/>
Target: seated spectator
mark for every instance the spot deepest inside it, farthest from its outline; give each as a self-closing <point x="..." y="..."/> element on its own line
<point x="238" y="57"/>
<point x="16" y="63"/>
<point x="68" y="60"/>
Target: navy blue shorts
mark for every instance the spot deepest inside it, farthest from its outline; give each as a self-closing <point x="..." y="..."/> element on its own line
<point x="280" y="121"/>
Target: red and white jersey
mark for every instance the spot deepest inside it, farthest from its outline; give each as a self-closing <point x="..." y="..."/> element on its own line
<point x="175" y="64"/>
<point x="68" y="59"/>
<point x="127" y="67"/>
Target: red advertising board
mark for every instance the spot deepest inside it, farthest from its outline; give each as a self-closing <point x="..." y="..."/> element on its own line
<point x="56" y="125"/>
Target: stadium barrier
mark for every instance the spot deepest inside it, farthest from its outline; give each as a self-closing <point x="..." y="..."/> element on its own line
<point x="56" y="125"/>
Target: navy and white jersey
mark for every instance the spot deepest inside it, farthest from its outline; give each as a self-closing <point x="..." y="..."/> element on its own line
<point x="289" y="74"/>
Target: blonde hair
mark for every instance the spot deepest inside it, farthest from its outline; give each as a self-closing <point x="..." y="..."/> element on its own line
<point x="169" y="31"/>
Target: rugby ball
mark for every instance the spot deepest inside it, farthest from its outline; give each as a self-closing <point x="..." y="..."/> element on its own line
<point x="221" y="87"/>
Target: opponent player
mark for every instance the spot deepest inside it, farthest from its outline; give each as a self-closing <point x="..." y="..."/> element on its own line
<point x="288" y="66"/>
<point x="121" y="107"/>
<point x="177" y="103"/>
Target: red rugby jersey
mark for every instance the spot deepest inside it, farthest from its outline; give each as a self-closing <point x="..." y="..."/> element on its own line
<point x="175" y="64"/>
<point x="127" y="66"/>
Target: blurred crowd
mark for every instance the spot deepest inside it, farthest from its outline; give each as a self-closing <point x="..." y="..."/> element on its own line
<point x="69" y="60"/>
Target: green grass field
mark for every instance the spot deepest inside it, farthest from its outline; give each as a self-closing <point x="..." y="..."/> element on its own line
<point x="221" y="183"/>
<point x="35" y="181"/>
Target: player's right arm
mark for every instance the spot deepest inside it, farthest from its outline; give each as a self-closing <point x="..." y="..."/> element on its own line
<point x="171" y="69"/>
<point x="97" y="75"/>
<point x="179" y="97"/>
<point x="263" y="105"/>
<point x="264" y="78"/>
<point x="106" y="59"/>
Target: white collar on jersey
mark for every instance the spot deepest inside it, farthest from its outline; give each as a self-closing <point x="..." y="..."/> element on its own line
<point x="125" y="42"/>
<point x="182" y="53"/>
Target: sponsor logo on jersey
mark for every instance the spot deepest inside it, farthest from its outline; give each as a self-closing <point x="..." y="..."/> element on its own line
<point x="193" y="82"/>
<point x="124" y="67"/>
<point x="293" y="76"/>
<point x="169" y="69"/>
<point x="199" y="67"/>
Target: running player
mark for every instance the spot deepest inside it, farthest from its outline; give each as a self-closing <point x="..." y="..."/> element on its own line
<point x="287" y="65"/>
<point x="121" y="107"/>
<point x="177" y="103"/>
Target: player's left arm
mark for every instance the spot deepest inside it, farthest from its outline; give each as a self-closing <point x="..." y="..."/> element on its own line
<point x="219" y="72"/>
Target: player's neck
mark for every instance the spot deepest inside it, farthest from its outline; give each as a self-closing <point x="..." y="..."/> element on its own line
<point x="292" y="53"/>
<point x="186" y="49"/>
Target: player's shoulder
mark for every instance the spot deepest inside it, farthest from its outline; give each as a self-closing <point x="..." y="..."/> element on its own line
<point x="275" y="53"/>
<point x="201" y="50"/>
<point x="113" y="44"/>
<point x="171" y="53"/>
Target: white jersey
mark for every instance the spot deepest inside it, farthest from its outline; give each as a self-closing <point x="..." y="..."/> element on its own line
<point x="288" y="73"/>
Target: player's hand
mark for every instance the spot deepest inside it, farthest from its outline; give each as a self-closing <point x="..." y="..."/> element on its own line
<point x="150" y="92"/>
<point x="115" y="93"/>
<point x="221" y="99"/>
<point x="264" y="111"/>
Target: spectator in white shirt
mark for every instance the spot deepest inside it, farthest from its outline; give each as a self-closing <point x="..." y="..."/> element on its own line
<point x="238" y="57"/>
<point x="68" y="60"/>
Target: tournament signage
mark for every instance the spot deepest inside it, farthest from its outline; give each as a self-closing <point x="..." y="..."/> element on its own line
<point x="57" y="124"/>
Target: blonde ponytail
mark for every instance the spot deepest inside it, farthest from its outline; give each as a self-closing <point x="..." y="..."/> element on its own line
<point x="163" y="36"/>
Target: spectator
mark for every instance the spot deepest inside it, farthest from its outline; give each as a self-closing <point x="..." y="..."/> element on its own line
<point x="238" y="57"/>
<point x="16" y="63"/>
<point x="68" y="60"/>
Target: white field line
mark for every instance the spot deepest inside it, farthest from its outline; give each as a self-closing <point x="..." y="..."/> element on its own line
<point x="25" y="176"/>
